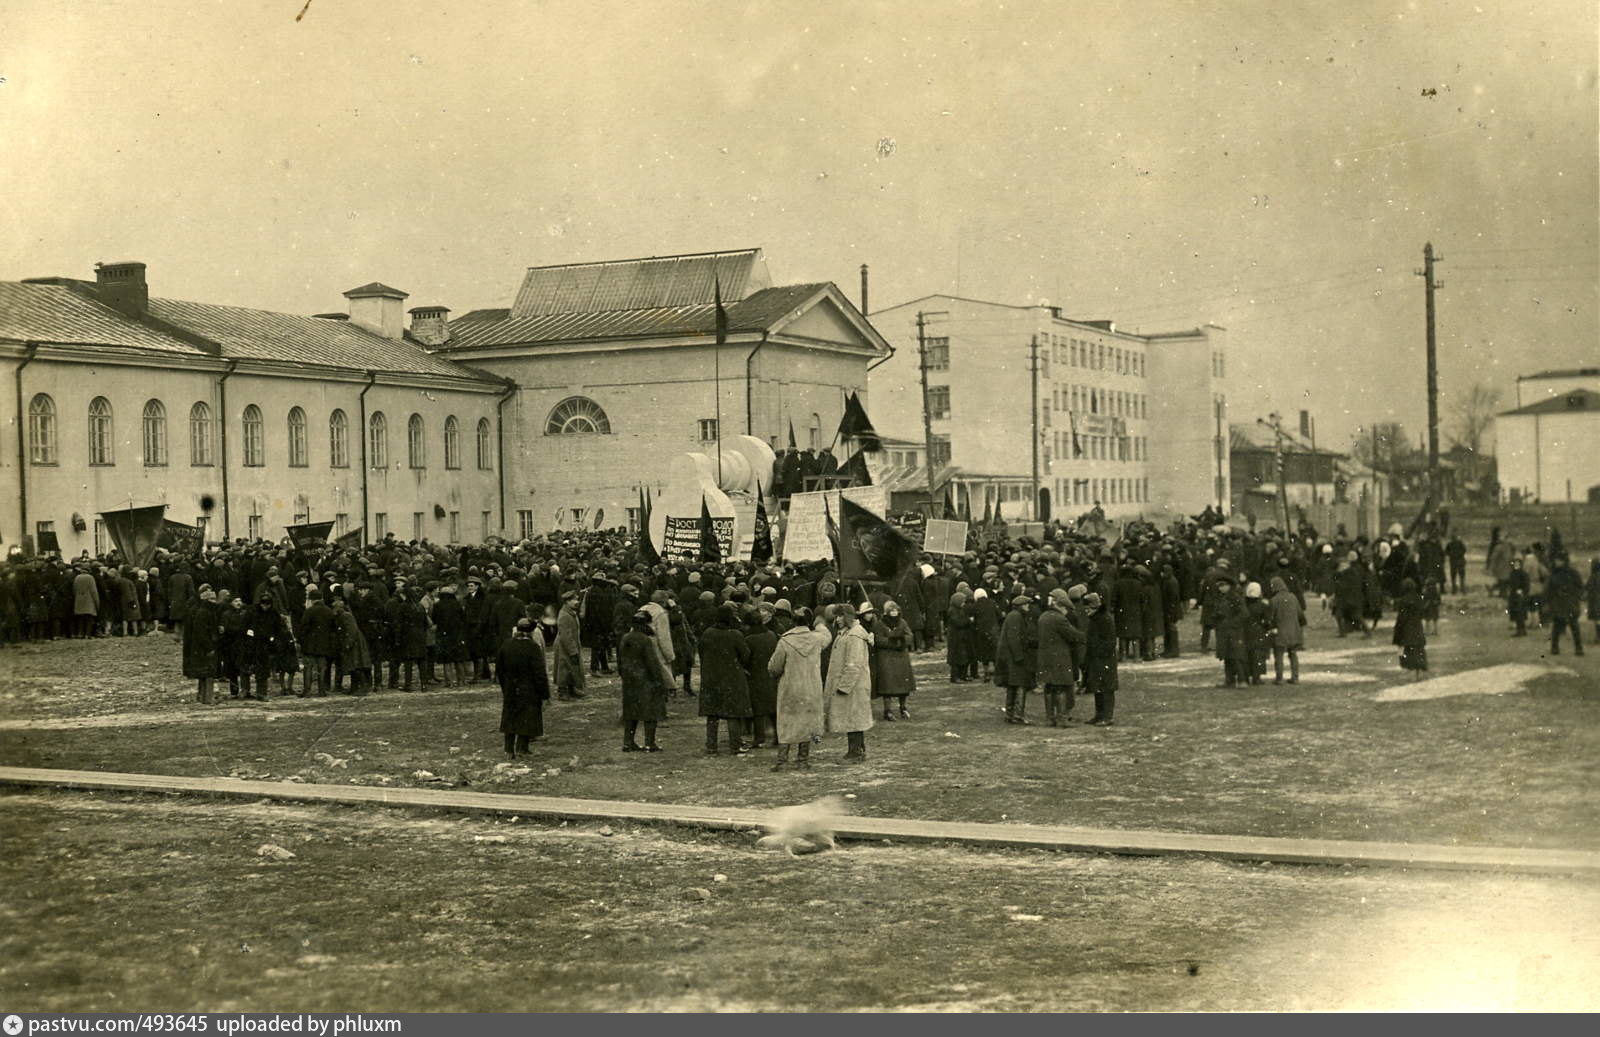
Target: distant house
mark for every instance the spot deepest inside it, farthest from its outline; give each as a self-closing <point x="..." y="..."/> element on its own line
<point x="1546" y="446"/>
<point x="1324" y="486"/>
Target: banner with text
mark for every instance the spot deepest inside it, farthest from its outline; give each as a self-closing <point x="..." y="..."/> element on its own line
<point x="805" y="537"/>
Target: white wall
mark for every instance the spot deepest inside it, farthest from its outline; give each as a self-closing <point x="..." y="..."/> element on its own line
<point x="1539" y="453"/>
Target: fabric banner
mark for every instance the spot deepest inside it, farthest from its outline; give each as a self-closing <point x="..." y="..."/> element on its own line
<point x="310" y="534"/>
<point x="136" y="532"/>
<point x="682" y="537"/>
<point x="869" y="547"/>
<point x="180" y="538"/>
<point x="349" y="541"/>
<point x="805" y="535"/>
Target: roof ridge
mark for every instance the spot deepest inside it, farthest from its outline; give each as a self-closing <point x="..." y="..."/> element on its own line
<point x="647" y="259"/>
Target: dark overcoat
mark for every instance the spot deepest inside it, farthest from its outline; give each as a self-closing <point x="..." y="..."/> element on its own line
<point x="724" y="673"/>
<point x="450" y="629"/>
<point x="524" y="686"/>
<point x="763" y="689"/>
<point x="201" y="637"/>
<point x="892" y="676"/>
<point x="1018" y="654"/>
<point x="646" y="678"/>
<point x="1061" y="643"/>
<point x="1100" y="653"/>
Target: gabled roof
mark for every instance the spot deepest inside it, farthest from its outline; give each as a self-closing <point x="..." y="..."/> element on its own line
<point x="1570" y="372"/>
<point x="66" y="312"/>
<point x="1575" y="402"/>
<point x="765" y="310"/>
<point x="56" y="313"/>
<point x="1254" y="435"/>
<point x="652" y="283"/>
<point x="375" y="288"/>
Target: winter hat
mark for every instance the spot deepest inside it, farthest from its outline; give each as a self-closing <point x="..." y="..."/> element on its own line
<point x="980" y="594"/>
<point x="782" y="607"/>
<point x="1252" y="590"/>
<point x="866" y="608"/>
<point x="1091" y="601"/>
<point x="1059" y="597"/>
<point x="1021" y="599"/>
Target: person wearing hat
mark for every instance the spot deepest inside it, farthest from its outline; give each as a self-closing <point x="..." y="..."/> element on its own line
<point x="354" y="656"/>
<point x="319" y="639"/>
<point x="450" y="636"/>
<point x="847" y="691"/>
<point x="524" y="688"/>
<point x="474" y="607"/>
<point x="724" y="684"/>
<point x="1258" y="632"/>
<point x="596" y="614"/>
<point x="936" y="591"/>
<point x="985" y="632"/>
<point x="892" y="677"/>
<point x="1061" y="649"/>
<point x="1100" y="659"/>
<point x="646" y="679"/>
<point x="568" y="649"/>
<point x="201" y="633"/>
<point x="1287" y="621"/>
<point x="958" y="628"/>
<point x="1409" y="633"/>
<point x="796" y="664"/>
<point x="1018" y="657"/>
<point x="758" y="634"/>
<point x="1230" y="612"/>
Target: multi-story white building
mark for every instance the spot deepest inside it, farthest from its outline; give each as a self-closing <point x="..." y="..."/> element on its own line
<point x="1545" y="447"/>
<point x="1135" y="423"/>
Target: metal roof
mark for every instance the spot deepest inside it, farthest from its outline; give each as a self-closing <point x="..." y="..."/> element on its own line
<point x="759" y="312"/>
<point x="1576" y="401"/>
<point x="57" y="313"/>
<point x="657" y="282"/>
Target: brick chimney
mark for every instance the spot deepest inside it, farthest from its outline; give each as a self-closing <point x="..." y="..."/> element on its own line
<point x="122" y="287"/>
<point x="378" y="308"/>
<point x="430" y="325"/>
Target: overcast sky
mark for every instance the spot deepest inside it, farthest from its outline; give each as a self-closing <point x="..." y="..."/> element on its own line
<point x="1272" y="166"/>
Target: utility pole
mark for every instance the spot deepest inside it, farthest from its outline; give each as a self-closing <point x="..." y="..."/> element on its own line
<point x="1429" y="284"/>
<point x="1283" y="489"/>
<point x="927" y="419"/>
<point x="1316" y="466"/>
<point x="1033" y="379"/>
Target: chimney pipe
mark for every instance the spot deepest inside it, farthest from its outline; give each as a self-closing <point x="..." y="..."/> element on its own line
<point x="430" y="325"/>
<point x="122" y="287"/>
<point x="378" y="308"/>
<point x="864" y="310"/>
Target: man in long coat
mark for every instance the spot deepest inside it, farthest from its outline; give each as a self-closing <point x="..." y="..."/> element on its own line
<point x="797" y="665"/>
<point x="524" y="688"/>
<point x="569" y="649"/>
<point x="724" y="681"/>
<point x="848" y="691"/>
<point x="1018" y="657"/>
<point x="1061" y="643"/>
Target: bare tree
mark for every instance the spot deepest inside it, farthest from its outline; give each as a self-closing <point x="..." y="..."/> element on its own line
<point x="1380" y="445"/>
<point x="1472" y="411"/>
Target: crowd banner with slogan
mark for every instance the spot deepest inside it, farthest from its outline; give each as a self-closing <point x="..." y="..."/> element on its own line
<point x="945" y="537"/>
<point x="869" y="547"/>
<point x="181" y="538"/>
<point x="309" y="535"/>
<point x="136" y="532"/>
<point x="349" y="541"/>
<point x="805" y="533"/>
<point x="682" y="537"/>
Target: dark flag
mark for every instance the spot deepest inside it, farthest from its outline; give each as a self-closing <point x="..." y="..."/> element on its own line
<point x="722" y="314"/>
<point x="869" y="547"/>
<point x="136" y="532"/>
<point x="710" y="549"/>
<point x="856" y="425"/>
<point x="988" y="516"/>
<point x="761" y="545"/>
<point x="832" y="527"/>
<point x="949" y="504"/>
<point x="1072" y="422"/>
<point x="793" y="446"/>
<point x="180" y="538"/>
<point x="856" y="468"/>
<point x="647" y="550"/>
<point x="310" y="534"/>
<point x="350" y="541"/>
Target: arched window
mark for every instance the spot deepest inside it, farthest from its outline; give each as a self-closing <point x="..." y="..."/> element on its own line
<point x="577" y="415"/>
<point x="814" y="432"/>
<point x="298" y="453"/>
<point x="378" y="440"/>
<point x="338" y="440"/>
<point x="42" y="430"/>
<point x="485" y="446"/>
<point x="100" y="434"/>
<point x="452" y="442"/>
<point x="200" y="434"/>
<point x="255" y="438"/>
<point x="416" y="444"/>
<point x="155" y="434"/>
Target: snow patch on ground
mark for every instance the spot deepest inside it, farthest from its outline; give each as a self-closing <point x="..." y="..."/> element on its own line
<point x="1489" y="680"/>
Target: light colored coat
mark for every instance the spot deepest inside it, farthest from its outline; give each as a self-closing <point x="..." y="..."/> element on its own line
<point x="85" y="595"/>
<point x="796" y="664"/>
<point x="1287" y="620"/>
<point x="568" y="649"/>
<point x="848" y="691"/>
<point x="661" y="627"/>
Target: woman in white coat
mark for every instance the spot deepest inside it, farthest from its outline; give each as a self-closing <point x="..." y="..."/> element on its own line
<point x="796" y="665"/>
<point x="849" y="687"/>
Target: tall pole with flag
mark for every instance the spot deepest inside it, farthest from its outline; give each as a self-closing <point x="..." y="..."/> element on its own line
<point x="722" y="338"/>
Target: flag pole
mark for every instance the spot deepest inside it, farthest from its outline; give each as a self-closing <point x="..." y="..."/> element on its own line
<point x="721" y="322"/>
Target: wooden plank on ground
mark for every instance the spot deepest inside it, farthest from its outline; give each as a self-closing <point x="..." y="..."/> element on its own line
<point x="1139" y="843"/>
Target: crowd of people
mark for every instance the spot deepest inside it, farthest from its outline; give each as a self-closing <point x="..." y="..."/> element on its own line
<point x="786" y="653"/>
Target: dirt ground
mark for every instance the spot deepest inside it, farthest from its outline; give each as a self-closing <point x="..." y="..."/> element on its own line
<point x="1323" y="759"/>
<point x="128" y="903"/>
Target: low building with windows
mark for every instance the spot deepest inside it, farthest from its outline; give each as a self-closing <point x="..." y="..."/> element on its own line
<point x="619" y="371"/>
<point x="243" y="421"/>
<point x="1135" y="423"/>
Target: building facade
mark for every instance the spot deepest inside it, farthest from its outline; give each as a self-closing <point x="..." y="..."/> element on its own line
<point x="242" y="421"/>
<point x="1135" y="423"/>
<point x="618" y="371"/>
<point x="1545" y="446"/>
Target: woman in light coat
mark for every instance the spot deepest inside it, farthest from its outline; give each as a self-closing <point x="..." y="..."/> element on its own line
<point x="848" y="690"/>
<point x="1288" y="630"/>
<point x="797" y="665"/>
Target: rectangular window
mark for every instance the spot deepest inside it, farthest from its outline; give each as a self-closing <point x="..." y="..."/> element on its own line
<point x="416" y="525"/>
<point x="1044" y="365"/>
<point x="380" y="524"/>
<point x="938" y="354"/>
<point x="708" y="430"/>
<point x="1074" y="353"/>
<point x="578" y="516"/>
<point x="941" y="451"/>
<point x="100" y="541"/>
<point x="256" y="527"/>
<point x="341" y="524"/>
<point x="633" y="520"/>
<point x="1046" y="414"/>
<point x="486" y="525"/>
<point x="525" y="523"/>
<point x="455" y="527"/>
<point x="301" y="517"/>
<point x="938" y="401"/>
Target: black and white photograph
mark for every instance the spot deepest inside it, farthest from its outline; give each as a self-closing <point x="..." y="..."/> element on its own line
<point x="585" y="506"/>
